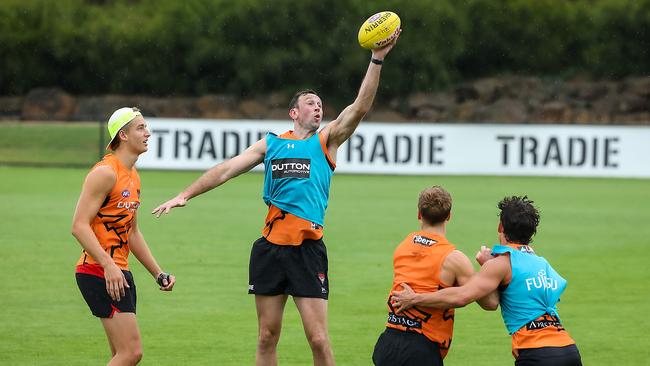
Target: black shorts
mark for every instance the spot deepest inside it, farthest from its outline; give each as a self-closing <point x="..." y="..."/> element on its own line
<point x="549" y="356"/>
<point x="296" y="270"/>
<point x="93" y="289"/>
<point x="398" y="348"/>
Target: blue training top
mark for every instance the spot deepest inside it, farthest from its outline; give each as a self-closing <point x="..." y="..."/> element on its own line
<point x="534" y="290"/>
<point x="297" y="177"/>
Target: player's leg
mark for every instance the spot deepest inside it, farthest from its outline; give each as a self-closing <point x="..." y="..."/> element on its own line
<point x="93" y="289"/>
<point x="313" y="312"/>
<point x="269" y="318"/>
<point x="110" y="343"/>
<point x="124" y="336"/>
<point x="306" y="268"/>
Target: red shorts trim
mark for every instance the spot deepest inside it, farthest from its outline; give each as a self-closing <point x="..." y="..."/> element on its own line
<point x="91" y="269"/>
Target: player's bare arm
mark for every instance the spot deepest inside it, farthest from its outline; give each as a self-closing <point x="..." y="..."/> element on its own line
<point x="217" y="175"/>
<point x="487" y="280"/>
<point x="140" y="249"/>
<point x="96" y="187"/>
<point x="339" y="130"/>
<point x="459" y="266"/>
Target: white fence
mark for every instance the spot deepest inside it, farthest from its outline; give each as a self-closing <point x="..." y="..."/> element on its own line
<point x="423" y="149"/>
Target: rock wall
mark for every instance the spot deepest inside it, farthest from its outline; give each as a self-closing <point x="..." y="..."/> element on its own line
<point x="498" y="100"/>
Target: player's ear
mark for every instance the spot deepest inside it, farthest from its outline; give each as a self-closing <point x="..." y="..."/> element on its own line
<point x="500" y="228"/>
<point x="293" y="113"/>
<point x="419" y="215"/>
<point x="122" y="134"/>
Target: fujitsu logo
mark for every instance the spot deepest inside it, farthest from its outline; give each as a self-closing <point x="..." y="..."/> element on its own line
<point x="542" y="281"/>
<point x="423" y="240"/>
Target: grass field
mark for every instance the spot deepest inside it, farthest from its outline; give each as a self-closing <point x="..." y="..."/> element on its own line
<point x="51" y="143"/>
<point x="594" y="231"/>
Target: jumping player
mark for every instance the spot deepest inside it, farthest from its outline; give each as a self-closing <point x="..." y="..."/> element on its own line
<point x="290" y="258"/>
<point x="529" y="290"/>
<point x="105" y="224"/>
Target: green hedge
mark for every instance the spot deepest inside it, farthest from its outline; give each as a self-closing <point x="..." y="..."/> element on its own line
<point x="250" y="47"/>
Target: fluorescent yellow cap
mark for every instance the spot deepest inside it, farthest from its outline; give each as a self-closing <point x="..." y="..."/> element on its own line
<point x="118" y="119"/>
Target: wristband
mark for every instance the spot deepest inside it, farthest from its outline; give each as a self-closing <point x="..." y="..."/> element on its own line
<point x="161" y="277"/>
<point x="376" y="61"/>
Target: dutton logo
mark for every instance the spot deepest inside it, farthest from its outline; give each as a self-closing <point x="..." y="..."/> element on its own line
<point x="423" y="240"/>
<point x="290" y="168"/>
<point x="291" y="146"/>
<point x="126" y="193"/>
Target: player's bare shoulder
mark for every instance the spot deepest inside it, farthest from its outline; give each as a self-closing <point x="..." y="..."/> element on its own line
<point x="101" y="178"/>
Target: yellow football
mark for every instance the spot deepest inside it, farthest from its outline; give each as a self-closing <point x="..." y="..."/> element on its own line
<point x="379" y="30"/>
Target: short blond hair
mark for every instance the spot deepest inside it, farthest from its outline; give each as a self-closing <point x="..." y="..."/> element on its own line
<point x="434" y="205"/>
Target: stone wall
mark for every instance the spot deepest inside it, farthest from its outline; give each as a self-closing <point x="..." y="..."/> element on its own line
<point x="499" y="100"/>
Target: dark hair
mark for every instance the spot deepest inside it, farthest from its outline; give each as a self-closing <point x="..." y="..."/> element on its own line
<point x="519" y="219"/>
<point x="294" y="101"/>
<point x="434" y="205"/>
<point x="115" y="143"/>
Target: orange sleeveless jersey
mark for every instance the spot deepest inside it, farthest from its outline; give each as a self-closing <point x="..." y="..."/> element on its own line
<point x="283" y="228"/>
<point x="417" y="261"/>
<point x="545" y="331"/>
<point x="113" y="222"/>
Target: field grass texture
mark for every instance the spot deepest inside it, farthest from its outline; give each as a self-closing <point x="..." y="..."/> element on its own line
<point x="595" y="232"/>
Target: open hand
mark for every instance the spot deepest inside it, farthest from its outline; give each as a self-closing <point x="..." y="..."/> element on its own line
<point x="178" y="201"/>
<point x="115" y="282"/>
<point x="380" y="53"/>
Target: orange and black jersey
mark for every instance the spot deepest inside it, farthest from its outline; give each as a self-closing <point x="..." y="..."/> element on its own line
<point x="418" y="261"/>
<point x="113" y="222"/>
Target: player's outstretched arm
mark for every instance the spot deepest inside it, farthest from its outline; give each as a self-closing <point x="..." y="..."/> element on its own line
<point x="140" y="249"/>
<point x="339" y="130"/>
<point x="480" y="285"/>
<point x="96" y="187"/>
<point x="216" y="176"/>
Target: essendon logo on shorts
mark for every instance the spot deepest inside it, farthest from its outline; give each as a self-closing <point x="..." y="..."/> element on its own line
<point x="290" y="168"/>
<point x="423" y="240"/>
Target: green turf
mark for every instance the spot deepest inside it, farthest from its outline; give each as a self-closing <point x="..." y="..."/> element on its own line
<point x="594" y="231"/>
<point x="58" y="143"/>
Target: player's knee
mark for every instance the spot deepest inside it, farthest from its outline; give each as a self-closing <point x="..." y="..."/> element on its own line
<point x="268" y="338"/>
<point x="137" y="355"/>
<point x="134" y="355"/>
<point x="129" y="357"/>
<point x="319" y="342"/>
